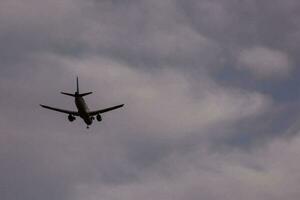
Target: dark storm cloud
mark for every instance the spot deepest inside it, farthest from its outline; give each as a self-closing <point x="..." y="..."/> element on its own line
<point x="206" y="116"/>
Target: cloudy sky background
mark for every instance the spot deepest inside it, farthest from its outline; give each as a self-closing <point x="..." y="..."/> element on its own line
<point x="211" y="89"/>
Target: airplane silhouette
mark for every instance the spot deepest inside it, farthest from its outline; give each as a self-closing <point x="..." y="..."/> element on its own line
<point x="83" y="110"/>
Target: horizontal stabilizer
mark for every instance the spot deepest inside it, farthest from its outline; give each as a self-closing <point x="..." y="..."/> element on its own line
<point x="85" y="94"/>
<point x="68" y="94"/>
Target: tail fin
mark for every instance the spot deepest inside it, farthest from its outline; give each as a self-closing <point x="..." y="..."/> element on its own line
<point x="77" y="83"/>
<point x="77" y="94"/>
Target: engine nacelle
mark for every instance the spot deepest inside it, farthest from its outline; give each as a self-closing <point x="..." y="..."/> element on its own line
<point x="71" y="118"/>
<point x="99" y="118"/>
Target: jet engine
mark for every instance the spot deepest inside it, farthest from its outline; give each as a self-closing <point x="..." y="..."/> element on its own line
<point x="71" y="118"/>
<point x="99" y="118"/>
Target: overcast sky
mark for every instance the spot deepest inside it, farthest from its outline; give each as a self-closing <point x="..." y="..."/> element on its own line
<point x="211" y="94"/>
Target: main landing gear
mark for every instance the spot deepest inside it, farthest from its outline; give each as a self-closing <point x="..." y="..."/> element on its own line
<point x="99" y="118"/>
<point x="71" y="118"/>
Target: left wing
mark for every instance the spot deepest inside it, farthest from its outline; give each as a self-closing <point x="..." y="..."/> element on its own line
<point x="105" y="110"/>
<point x="61" y="110"/>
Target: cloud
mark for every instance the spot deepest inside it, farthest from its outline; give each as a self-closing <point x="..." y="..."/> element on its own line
<point x="145" y="136"/>
<point x="264" y="174"/>
<point x="166" y="98"/>
<point x="163" y="35"/>
<point x="265" y="63"/>
<point x="195" y="125"/>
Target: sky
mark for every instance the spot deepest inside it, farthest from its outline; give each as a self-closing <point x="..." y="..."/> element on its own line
<point x="211" y="94"/>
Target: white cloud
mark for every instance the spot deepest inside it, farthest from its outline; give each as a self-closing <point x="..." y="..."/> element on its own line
<point x="209" y="176"/>
<point x="161" y="102"/>
<point x="265" y="63"/>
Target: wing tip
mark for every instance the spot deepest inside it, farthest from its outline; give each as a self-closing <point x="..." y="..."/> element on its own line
<point x="44" y="106"/>
<point x="119" y="106"/>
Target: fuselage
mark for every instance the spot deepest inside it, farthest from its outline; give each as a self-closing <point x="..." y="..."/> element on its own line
<point x="83" y="110"/>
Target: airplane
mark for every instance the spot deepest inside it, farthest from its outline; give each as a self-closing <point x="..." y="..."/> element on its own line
<point x="82" y="108"/>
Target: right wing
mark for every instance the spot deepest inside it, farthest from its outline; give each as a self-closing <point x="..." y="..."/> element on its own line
<point x="105" y="110"/>
<point x="61" y="110"/>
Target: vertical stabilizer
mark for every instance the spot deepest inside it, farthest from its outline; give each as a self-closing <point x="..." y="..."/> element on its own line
<point x="77" y="83"/>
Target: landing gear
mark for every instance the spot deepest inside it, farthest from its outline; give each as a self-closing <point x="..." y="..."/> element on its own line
<point x="99" y="118"/>
<point x="87" y="127"/>
<point x="71" y="118"/>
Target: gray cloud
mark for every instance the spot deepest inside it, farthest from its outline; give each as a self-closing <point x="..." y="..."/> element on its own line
<point x="265" y="63"/>
<point x="261" y="175"/>
<point x="194" y="126"/>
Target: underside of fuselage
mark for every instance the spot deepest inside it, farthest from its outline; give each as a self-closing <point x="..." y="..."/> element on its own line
<point x="83" y="110"/>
